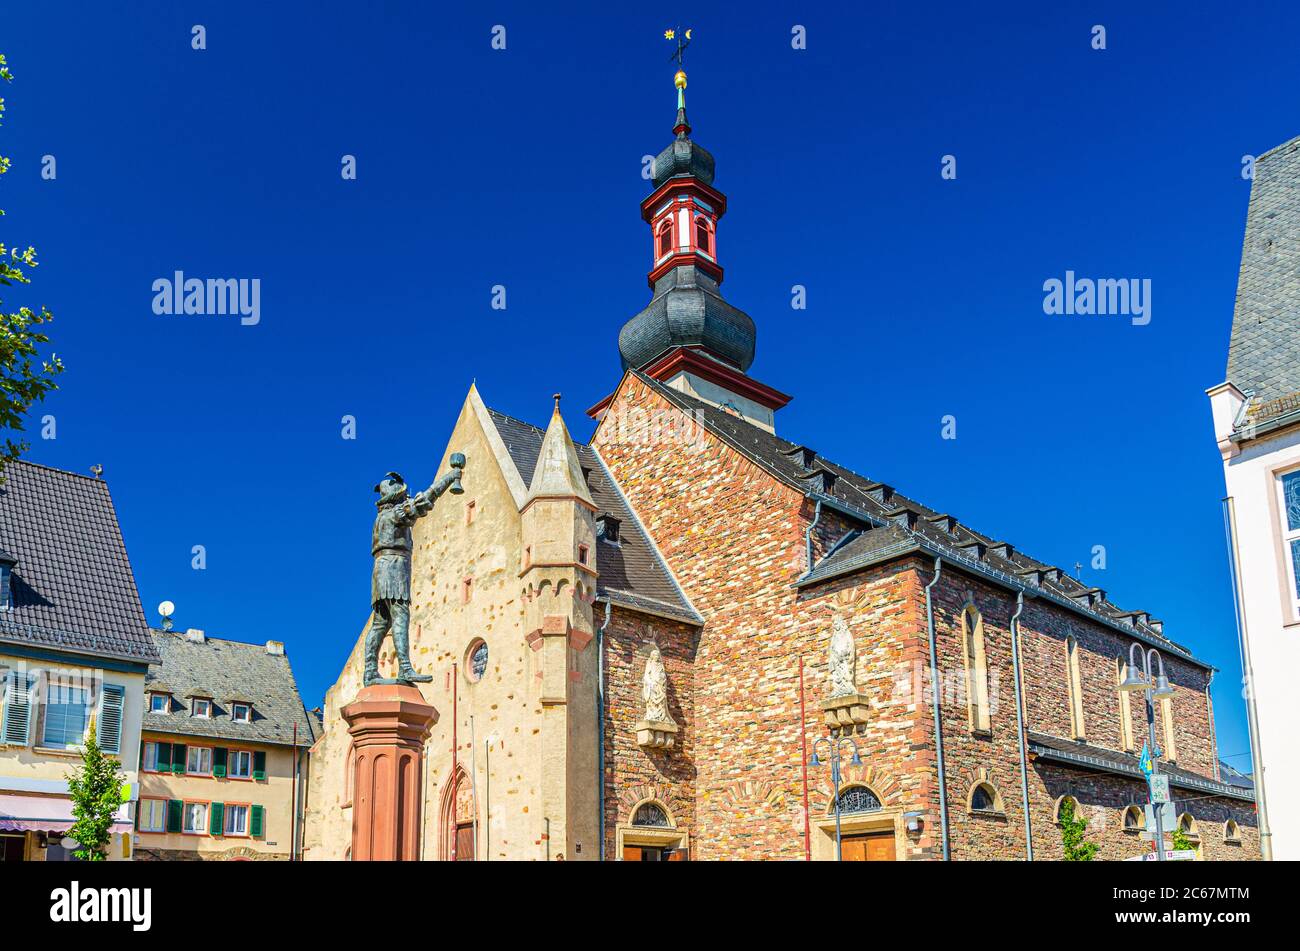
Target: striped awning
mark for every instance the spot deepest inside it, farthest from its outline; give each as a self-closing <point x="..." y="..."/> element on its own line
<point x="47" y="814"/>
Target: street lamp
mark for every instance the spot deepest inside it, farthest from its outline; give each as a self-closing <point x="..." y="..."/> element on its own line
<point x="1139" y="680"/>
<point x="834" y="745"/>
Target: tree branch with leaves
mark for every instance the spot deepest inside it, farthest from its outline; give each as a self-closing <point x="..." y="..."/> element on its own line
<point x="25" y="375"/>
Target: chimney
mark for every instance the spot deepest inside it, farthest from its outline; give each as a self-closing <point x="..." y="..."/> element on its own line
<point x="194" y="635"/>
<point x="275" y="648"/>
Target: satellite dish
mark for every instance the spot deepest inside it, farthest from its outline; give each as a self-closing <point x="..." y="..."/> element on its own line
<point x="166" y="609"/>
<point x="70" y="843"/>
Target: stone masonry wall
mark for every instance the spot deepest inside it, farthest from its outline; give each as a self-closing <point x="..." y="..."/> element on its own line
<point x="633" y="774"/>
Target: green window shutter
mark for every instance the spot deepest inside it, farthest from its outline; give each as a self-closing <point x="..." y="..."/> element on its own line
<point x="178" y="757"/>
<point x="108" y="730"/>
<point x="164" y="757"/>
<point x="259" y="765"/>
<point x="255" y="823"/>
<point x="216" y="818"/>
<point x="174" y="808"/>
<point x="220" y="756"/>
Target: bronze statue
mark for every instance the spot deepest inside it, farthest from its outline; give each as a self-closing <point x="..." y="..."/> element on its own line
<point x="390" y="584"/>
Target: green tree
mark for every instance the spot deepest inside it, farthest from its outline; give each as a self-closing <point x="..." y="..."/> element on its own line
<point x="1182" y="842"/>
<point x="25" y="376"/>
<point x="96" y="788"/>
<point x="1073" y="828"/>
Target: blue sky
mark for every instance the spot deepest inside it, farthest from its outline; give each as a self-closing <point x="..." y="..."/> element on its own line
<point x="522" y="167"/>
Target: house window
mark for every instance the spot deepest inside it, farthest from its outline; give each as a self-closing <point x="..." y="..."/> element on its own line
<point x="651" y="815"/>
<point x="160" y="703"/>
<point x="1075" y="685"/>
<point x="153" y="815"/>
<point x="200" y="707"/>
<point x="240" y="764"/>
<point x="1187" y="826"/>
<point x="1167" y="720"/>
<point x="151" y="758"/>
<point x="977" y="672"/>
<point x="241" y="712"/>
<point x="1134" y="819"/>
<point x="236" y="819"/>
<point x="1065" y="804"/>
<point x="702" y="236"/>
<point x="471" y="509"/>
<point x="582" y="554"/>
<point x="198" y="761"/>
<point x="1125" y="711"/>
<point x="858" y="799"/>
<point x="1231" y="833"/>
<point x="666" y="237"/>
<point x="67" y="713"/>
<point x="6" y="595"/>
<point x="195" y="821"/>
<point x="1289" y="485"/>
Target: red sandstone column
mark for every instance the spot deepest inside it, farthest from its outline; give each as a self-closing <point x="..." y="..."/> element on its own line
<point x="389" y="724"/>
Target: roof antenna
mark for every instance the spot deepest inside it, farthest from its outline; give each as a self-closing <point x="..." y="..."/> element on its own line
<point x="97" y="470"/>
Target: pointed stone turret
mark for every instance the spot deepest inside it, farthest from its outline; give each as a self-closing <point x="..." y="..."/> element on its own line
<point x="559" y="575"/>
<point x="559" y="471"/>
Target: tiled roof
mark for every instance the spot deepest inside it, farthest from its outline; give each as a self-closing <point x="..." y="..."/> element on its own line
<point x="1088" y="756"/>
<point x="225" y="671"/>
<point x="630" y="572"/>
<point x="73" y="589"/>
<point x="893" y="524"/>
<point x="1264" y="353"/>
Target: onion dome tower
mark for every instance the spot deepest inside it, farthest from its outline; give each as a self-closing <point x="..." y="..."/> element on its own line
<point x="688" y="336"/>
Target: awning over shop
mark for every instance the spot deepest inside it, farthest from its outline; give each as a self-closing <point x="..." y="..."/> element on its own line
<point x="47" y="814"/>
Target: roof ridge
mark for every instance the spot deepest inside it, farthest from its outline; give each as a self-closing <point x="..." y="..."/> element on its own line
<point x="212" y="637"/>
<point x="41" y="465"/>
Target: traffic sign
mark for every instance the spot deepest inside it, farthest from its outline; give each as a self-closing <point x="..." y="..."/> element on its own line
<point x="1159" y="787"/>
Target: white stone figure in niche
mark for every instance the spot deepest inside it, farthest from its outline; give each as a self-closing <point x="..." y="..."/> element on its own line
<point x="843" y="660"/>
<point x="654" y="689"/>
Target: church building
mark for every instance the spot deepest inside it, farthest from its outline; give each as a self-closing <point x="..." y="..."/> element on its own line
<point x="655" y="645"/>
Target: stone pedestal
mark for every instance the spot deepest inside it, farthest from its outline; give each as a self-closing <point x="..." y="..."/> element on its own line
<point x="656" y="734"/>
<point x="388" y="724"/>
<point x="847" y="714"/>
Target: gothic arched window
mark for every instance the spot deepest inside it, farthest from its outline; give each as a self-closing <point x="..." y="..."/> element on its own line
<point x="858" y="799"/>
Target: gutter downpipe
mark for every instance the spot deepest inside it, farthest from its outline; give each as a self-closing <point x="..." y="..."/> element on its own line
<point x="600" y="725"/>
<point x="1248" y="670"/>
<point x="817" y="515"/>
<point x="934" y="696"/>
<point x="1020" y="726"/>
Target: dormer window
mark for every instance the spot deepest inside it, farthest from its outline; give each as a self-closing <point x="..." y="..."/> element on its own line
<point x="201" y="707"/>
<point x="6" y="581"/>
<point x="241" y="712"/>
<point x="607" y="528"/>
<point x="160" y="703"/>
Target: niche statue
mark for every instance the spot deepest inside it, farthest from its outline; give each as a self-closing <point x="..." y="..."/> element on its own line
<point x="390" y="583"/>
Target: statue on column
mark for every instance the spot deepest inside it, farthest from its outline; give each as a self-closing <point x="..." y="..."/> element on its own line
<point x="654" y="689"/>
<point x="843" y="659"/>
<point x="390" y="583"/>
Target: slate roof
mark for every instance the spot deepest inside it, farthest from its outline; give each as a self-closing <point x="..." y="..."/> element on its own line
<point x="894" y="525"/>
<point x="225" y="670"/>
<point x="630" y="572"/>
<point x="73" y="589"/>
<point x="1264" y="353"/>
<point x="1235" y="777"/>
<point x="1087" y="756"/>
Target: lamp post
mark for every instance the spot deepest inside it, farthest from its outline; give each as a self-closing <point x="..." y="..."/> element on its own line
<point x="834" y="745"/>
<point x="1140" y="680"/>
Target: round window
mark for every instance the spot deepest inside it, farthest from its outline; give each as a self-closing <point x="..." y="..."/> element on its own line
<point x="476" y="660"/>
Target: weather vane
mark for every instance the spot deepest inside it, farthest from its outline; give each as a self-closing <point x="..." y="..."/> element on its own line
<point x="683" y="41"/>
